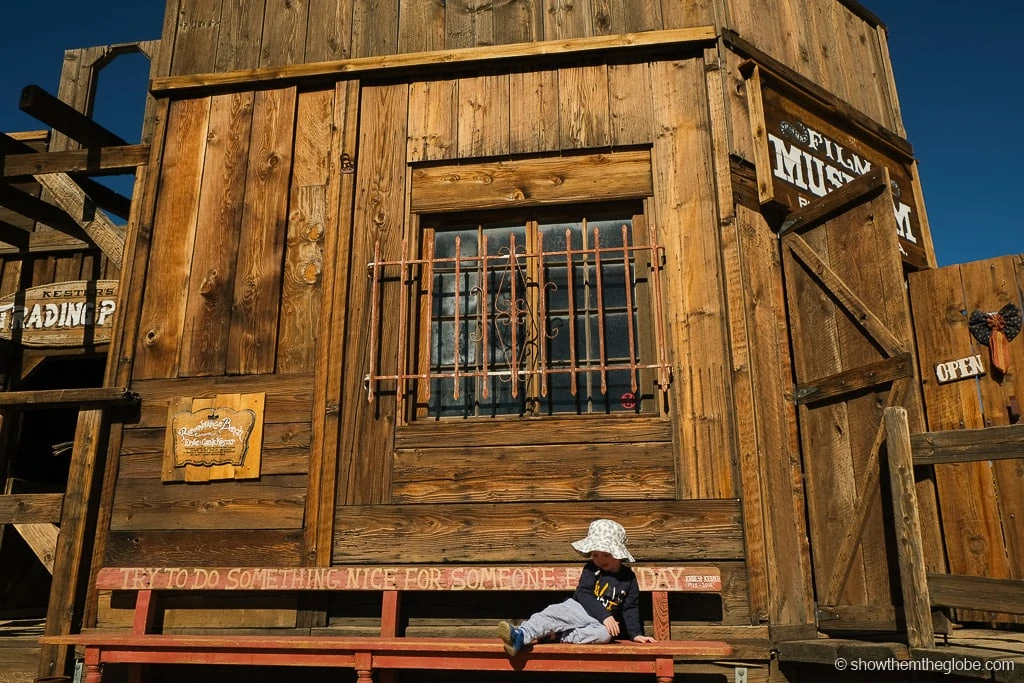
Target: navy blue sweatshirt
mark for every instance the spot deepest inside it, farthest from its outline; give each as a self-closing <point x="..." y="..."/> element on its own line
<point x="617" y="594"/>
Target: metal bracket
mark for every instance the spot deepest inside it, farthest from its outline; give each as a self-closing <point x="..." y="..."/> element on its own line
<point x="824" y="614"/>
<point x="741" y="674"/>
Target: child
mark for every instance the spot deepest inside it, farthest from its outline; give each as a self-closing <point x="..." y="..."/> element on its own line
<point x="605" y="605"/>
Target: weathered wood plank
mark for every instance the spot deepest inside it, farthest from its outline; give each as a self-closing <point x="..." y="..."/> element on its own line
<point x="433" y="120"/>
<point x="967" y="445"/>
<point x="550" y="431"/>
<point x="98" y="161"/>
<point x="857" y="379"/>
<point x="977" y="593"/>
<point x="587" y="472"/>
<point x="583" y="110"/>
<point x="172" y="240"/>
<point x="367" y="65"/>
<point x="276" y="459"/>
<point x="30" y="508"/>
<point x="770" y="466"/>
<point x="211" y="282"/>
<point x="375" y="28"/>
<point x="380" y="204"/>
<point x="685" y="199"/>
<point x="533" y="118"/>
<point x="252" y="338"/>
<point x="916" y="601"/>
<point x="518" y="21"/>
<point x="533" y="182"/>
<point x="240" y="35"/>
<point x="663" y="531"/>
<point x="629" y="102"/>
<point x="241" y="547"/>
<point x="329" y="31"/>
<point x="195" y="36"/>
<point x="42" y="539"/>
<point x="566" y="19"/>
<point x="302" y="289"/>
<point x="275" y="502"/>
<point x="62" y="398"/>
<point x="482" y="120"/>
<point x="284" y="33"/>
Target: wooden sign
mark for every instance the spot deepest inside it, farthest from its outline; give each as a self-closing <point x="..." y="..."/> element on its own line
<point x="484" y="578"/>
<point x="214" y="438"/>
<point x="804" y="155"/>
<point x="962" y="368"/>
<point x="62" y="314"/>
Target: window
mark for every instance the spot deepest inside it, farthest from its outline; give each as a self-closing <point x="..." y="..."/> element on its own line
<point x="554" y="312"/>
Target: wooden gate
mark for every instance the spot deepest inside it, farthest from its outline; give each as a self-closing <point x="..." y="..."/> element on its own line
<point x="851" y="338"/>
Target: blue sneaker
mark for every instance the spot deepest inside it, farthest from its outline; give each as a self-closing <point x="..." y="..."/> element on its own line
<point x="512" y="637"/>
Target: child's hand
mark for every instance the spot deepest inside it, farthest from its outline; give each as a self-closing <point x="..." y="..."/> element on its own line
<point x="643" y="639"/>
<point x="612" y="626"/>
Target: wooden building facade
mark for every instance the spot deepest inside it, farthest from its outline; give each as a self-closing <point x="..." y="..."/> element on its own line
<point x="469" y="275"/>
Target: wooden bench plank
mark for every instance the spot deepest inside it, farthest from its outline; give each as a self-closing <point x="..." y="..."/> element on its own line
<point x="699" y="579"/>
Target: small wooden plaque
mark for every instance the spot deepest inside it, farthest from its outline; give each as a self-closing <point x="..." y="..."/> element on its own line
<point x="216" y="438"/>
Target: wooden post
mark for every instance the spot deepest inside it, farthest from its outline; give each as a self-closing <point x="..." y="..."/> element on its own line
<point x="67" y="591"/>
<point x="913" y="576"/>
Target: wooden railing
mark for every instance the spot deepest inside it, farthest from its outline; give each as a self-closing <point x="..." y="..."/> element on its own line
<point x="922" y="590"/>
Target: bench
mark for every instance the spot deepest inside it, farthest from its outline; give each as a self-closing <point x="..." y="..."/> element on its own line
<point x="388" y="650"/>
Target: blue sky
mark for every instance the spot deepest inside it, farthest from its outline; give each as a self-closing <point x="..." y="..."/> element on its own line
<point x="956" y="72"/>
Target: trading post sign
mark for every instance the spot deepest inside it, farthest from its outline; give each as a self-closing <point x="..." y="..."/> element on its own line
<point x="62" y="314"/>
<point x="805" y="157"/>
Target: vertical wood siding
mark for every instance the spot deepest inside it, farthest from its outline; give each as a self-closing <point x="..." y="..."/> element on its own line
<point x="825" y="41"/>
<point x="980" y="504"/>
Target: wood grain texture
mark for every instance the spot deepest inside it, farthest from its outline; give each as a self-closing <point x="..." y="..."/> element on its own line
<point x="630" y="119"/>
<point x="240" y="547"/>
<point x="284" y="33"/>
<point x="196" y="36"/>
<point x="302" y="287"/>
<point x="548" y="431"/>
<point x="518" y="21"/>
<point x="380" y="205"/>
<point x="211" y="281"/>
<point x="275" y="502"/>
<point x="533" y="118"/>
<point x="375" y="28"/>
<point x="594" y="472"/>
<point x="482" y="121"/>
<point x="252" y="339"/>
<point x="433" y="120"/>
<point x="329" y="31"/>
<point x="241" y="32"/>
<point x="686" y="215"/>
<point x="173" y="239"/>
<point x="532" y="182"/>
<point x="583" y="107"/>
<point x="667" y="531"/>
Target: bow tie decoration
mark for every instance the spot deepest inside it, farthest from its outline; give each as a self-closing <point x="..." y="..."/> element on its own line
<point x="996" y="330"/>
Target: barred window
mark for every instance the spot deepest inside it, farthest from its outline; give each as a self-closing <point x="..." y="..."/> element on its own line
<point x="555" y="313"/>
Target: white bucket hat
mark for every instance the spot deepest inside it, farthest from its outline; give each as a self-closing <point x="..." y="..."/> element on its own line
<point x="607" y="536"/>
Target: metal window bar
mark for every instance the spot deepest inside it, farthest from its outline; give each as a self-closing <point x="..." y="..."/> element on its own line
<point x="511" y="269"/>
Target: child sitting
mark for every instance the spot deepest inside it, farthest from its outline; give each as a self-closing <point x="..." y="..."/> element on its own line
<point x="604" y="606"/>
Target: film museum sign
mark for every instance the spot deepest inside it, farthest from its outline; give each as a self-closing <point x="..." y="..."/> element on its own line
<point x="807" y="157"/>
<point x="62" y="314"/>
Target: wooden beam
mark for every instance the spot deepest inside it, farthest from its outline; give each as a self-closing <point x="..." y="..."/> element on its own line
<point x="883" y="371"/>
<point x="42" y="539"/>
<point x="968" y="445"/>
<point x="875" y="328"/>
<point x="63" y="117"/>
<point x="63" y="398"/>
<point x="95" y="160"/>
<point x="30" y="508"/>
<point x="977" y="593"/>
<point x="38" y="210"/>
<point x="435" y="60"/>
<point x="907" y="522"/>
<point x="13" y="235"/>
<point x="103" y="196"/>
<point x="48" y="241"/>
<point x="100" y="229"/>
<point x="836" y="202"/>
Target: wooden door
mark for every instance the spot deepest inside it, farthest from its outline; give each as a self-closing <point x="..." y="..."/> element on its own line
<point x="852" y="344"/>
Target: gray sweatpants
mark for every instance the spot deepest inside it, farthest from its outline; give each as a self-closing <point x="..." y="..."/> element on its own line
<point x="569" y="621"/>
